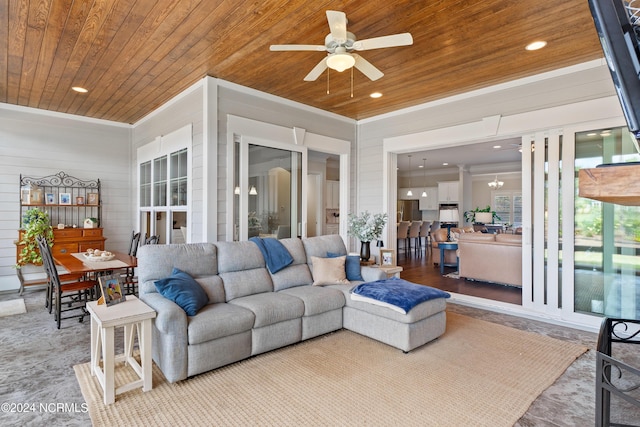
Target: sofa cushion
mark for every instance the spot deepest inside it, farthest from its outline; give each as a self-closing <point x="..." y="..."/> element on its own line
<point x="242" y="269"/>
<point x="317" y="299"/>
<point x="329" y="271"/>
<point x="217" y="321"/>
<point x="157" y="261"/>
<point x="271" y="307"/>
<point x="351" y="266"/>
<point x="319" y="246"/>
<point x="509" y="238"/>
<point x="183" y="290"/>
<point x="298" y="273"/>
<point x="478" y="237"/>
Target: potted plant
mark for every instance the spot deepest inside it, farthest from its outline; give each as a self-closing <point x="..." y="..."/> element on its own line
<point x="35" y="223"/>
<point x="366" y="227"/>
<point x="486" y="215"/>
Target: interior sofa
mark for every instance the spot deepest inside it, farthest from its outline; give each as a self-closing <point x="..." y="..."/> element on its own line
<point x="251" y="310"/>
<point x="440" y="235"/>
<point x="491" y="257"/>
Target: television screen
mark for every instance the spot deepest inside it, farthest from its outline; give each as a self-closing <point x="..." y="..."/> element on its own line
<point x="617" y="24"/>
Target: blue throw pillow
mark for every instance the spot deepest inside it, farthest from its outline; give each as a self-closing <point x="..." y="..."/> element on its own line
<point x="351" y="266"/>
<point x="184" y="291"/>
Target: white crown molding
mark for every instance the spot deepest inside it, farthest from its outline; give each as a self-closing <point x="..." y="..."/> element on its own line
<point x="58" y="115"/>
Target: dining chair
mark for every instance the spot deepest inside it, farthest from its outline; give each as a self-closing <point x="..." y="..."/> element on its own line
<point x="152" y="240"/>
<point x="403" y="234"/>
<point x="414" y="234"/>
<point x="425" y="231"/>
<point x="72" y="295"/>
<point x="129" y="279"/>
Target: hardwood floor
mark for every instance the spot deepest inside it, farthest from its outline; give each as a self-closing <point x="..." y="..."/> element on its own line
<point x="417" y="268"/>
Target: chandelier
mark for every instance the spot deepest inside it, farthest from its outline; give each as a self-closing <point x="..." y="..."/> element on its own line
<point x="495" y="184"/>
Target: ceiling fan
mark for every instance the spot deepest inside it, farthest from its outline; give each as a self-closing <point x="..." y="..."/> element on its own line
<point x="340" y="44"/>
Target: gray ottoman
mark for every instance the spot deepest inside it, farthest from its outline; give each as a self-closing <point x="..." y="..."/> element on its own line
<point x="424" y="323"/>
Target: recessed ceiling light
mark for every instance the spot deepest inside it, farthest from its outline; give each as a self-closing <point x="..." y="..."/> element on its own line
<point x="536" y="45"/>
<point x="376" y="95"/>
<point x="420" y="166"/>
<point x="445" y="164"/>
<point x="497" y="146"/>
<point x="79" y="89"/>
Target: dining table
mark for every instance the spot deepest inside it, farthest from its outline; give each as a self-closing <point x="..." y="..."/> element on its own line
<point x="80" y="263"/>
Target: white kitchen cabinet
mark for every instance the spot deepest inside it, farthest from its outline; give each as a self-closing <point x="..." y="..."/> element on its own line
<point x="332" y="195"/>
<point x="333" y="229"/>
<point x="448" y="191"/>
<point x="429" y="203"/>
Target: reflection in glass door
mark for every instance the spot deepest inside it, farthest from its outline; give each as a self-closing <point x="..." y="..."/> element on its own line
<point x="607" y="236"/>
<point x="267" y="192"/>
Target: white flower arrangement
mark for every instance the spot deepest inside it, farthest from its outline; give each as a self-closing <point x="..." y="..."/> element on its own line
<point x="366" y="227"/>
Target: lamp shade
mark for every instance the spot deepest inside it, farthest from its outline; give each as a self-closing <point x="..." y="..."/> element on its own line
<point x="449" y="215"/>
<point x="484" y="217"/>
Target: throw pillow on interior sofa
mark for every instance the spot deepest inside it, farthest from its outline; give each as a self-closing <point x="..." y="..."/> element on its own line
<point x="328" y="271"/>
<point x="351" y="266"/>
<point x="182" y="289"/>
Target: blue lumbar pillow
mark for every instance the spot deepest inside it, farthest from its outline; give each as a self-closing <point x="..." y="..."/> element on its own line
<point x="184" y="291"/>
<point x="351" y="266"/>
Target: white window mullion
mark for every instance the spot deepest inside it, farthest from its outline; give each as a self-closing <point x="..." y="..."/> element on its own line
<point x="553" y="221"/>
<point x="539" y="277"/>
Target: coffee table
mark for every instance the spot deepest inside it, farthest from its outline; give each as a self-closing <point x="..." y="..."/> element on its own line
<point x="447" y="246"/>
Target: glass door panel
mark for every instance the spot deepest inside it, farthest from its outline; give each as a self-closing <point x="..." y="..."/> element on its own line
<point x="607" y="236"/>
<point x="270" y="190"/>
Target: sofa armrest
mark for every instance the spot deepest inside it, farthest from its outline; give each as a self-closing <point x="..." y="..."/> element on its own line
<point x="371" y="274"/>
<point x="170" y="317"/>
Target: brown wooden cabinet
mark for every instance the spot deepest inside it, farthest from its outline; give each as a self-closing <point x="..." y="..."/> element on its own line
<point x="73" y="240"/>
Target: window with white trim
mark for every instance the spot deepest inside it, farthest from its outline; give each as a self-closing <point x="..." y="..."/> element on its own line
<point x="164" y="176"/>
<point x="508" y="207"/>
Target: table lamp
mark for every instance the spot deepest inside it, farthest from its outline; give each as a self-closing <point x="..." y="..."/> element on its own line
<point x="448" y="217"/>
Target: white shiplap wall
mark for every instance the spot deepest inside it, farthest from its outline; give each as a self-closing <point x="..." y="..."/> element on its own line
<point x="39" y="143"/>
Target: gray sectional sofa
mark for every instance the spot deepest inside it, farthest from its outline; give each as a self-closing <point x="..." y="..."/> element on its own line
<point x="251" y="311"/>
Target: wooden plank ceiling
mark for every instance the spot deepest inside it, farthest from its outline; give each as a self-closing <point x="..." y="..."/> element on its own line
<point x="133" y="56"/>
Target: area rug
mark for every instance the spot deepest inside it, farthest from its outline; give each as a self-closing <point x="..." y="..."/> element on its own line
<point x="11" y="307"/>
<point x="478" y="373"/>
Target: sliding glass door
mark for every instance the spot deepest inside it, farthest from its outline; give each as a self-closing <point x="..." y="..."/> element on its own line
<point x="607" y="236"/>
<point x="267" y="191"/>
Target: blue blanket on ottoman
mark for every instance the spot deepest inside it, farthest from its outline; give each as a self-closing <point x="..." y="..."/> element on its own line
<point x="396" y="293"/>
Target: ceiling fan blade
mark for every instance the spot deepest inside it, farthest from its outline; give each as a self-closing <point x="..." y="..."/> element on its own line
<point x="317" y="70"/>
<point x="367" y="68"/>
<point x="338" y="25"/>
<point x="288" y="47"/>
<point x="403" y="39"/>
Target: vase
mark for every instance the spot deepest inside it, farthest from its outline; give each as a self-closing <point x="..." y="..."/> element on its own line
<point x="365" y="251"/>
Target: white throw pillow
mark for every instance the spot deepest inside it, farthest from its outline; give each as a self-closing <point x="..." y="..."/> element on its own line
<point x="329" y="271"/>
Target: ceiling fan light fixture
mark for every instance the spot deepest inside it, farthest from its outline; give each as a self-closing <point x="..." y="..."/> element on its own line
<point x="340" y="61"/>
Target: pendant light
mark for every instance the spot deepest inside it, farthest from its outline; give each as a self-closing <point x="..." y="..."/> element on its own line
<point x="424" y="176"/>
<point x="409" y="193"/>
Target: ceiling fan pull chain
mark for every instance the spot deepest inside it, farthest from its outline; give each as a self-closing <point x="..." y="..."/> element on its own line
<point x="327" y="82"/>
<point x="352" y="82"/>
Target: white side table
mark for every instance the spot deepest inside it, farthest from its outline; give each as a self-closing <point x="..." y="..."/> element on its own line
<point x="392" y="271"/>
<point x="135" y="316"/>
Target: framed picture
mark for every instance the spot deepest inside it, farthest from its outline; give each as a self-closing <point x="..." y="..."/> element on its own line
<point x="93" y="199"/>
<point x="64" y="199"/>
<point x="79" y="200"/>
<point x="36" y="197"/>
<point x="50" y="199"/>
<point x="111" y="289"/>
<point x="387" y="258"/>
